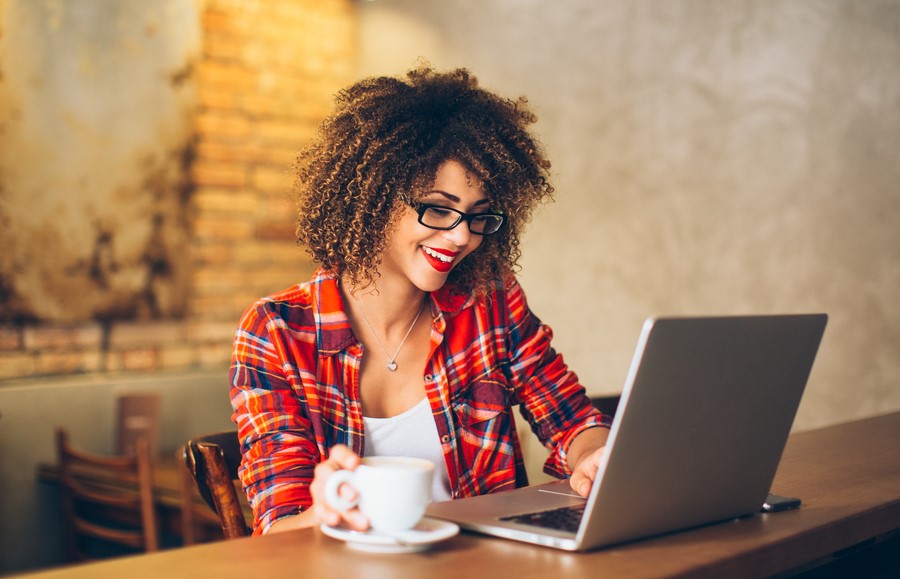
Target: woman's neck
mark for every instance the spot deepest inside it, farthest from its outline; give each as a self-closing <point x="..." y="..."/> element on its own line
<point x="389" y="308"/>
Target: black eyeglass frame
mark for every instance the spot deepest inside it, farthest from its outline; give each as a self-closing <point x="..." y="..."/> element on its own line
<point x="421" y="208"/>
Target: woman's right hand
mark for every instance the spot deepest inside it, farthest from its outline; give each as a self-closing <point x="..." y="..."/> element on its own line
<point x="340" y="458"/>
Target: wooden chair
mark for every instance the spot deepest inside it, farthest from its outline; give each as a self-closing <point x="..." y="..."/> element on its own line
<point x="98" y="521"/>
<point x="138" y="417"/>
<point x="606" y="404"/>
<point x="213" y="462"/>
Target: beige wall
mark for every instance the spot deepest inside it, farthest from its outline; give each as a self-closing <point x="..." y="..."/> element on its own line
<point x="710" y="157"/>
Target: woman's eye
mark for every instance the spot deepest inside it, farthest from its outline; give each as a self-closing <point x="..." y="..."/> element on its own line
<point x="439" y="211"/>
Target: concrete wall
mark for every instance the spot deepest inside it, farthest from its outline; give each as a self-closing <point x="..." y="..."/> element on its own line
<point x="710" y="158"/>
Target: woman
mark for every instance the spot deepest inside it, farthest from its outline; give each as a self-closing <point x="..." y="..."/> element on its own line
<point x="413" y="337"/>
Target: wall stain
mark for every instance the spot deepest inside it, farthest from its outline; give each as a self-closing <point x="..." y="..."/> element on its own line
<point x="102" y="261"/>
<point x="183" y="75"/>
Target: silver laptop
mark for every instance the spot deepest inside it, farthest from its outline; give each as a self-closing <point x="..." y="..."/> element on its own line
<point x="703" y="418"/>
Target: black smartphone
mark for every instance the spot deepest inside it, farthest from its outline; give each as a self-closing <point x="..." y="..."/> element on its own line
<point x="776" y="503"/>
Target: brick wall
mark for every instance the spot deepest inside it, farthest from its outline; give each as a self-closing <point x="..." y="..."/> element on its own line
<point x="264" y="80"/>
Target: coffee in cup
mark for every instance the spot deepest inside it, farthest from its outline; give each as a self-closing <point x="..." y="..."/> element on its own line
<point x="392" y="491"/>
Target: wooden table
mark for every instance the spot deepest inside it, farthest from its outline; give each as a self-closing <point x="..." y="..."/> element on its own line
<point x="847" y="475"/>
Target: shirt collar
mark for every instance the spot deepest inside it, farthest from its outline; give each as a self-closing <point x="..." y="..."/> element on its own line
<point x="333" y="331"/>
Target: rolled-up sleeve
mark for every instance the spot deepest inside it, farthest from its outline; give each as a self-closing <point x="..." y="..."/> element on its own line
<point x="268" y="401"/>
<point x="553" y="401"/>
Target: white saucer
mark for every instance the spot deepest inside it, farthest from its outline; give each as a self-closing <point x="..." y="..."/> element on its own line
<point x="419" y="538"/>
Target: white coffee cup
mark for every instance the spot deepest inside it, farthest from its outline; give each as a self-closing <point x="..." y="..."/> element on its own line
<point x="392" y="491"/>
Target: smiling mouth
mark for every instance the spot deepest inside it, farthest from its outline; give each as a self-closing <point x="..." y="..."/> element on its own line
<point x="439" y="259"/>
<point x="446" y="258"/>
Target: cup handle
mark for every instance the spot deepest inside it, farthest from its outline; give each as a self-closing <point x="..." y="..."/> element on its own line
<point x="332" y="487"/>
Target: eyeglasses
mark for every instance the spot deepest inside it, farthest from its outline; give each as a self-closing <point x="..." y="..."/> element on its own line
<point x="444" y="218"/>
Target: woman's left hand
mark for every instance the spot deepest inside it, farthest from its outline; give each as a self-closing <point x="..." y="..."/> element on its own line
<point x="585" y="472"/>
<point x="584" y="456"/>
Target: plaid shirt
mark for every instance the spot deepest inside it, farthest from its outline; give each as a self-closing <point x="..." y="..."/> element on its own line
<point x="295" y="391"/>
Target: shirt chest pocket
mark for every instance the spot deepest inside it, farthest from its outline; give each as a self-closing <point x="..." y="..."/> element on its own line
<point x="484" y="418"/>
<point x="483" y="400"/>
<point x="486" y="434"/>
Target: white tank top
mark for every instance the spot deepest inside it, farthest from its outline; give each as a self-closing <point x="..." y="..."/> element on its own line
<point x="411" y="433"/>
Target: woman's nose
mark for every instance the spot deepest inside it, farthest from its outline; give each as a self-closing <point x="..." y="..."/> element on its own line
<point x="459" y="235"/>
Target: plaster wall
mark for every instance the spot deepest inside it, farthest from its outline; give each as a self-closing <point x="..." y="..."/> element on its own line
<point x="95" y="126"/>
<point x="709" y="157"/>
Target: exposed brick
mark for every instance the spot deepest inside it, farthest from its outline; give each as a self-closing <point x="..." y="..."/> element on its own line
<point x="219" y="124"/>
<point x="228" y="307"/>
<point x="41" y="337"/>
<point x="222" y="45"/>
<point x="279" y="102"/>
<point x="11" y="338"/>
<point x="209" y="200"/>
<point x="212" y="331"/>
<point x="218" y="100"/>
<point x="277" y="206"/>
<point x="179" y="356"/>
<point x="272" y="280"/>
<point x="125" y="335"/>
<point x="269" y="180"/>
<point x="223" y="20"/>
<point x="212" y="355"/>
<point x="223" y="228"/>
<point x="140" y="359"/>
<point x="17" y="365"/>
<point x="231" y="151"/>
<point x="281" y="230"/>
<point x="285" y="84"/>
<point x="227" y="77"/>
<point x="214" y="174"/>
<point x="279" y="156"/>
<point x="213" y="254"/>
<point x="286" y="134"/>
<point x="218" y="282"/>
<point x="68" y="362"/>
<point x="112" y="362"/>
<point x="277" y="253"/>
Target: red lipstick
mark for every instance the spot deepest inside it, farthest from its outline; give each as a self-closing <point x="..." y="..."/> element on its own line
<point x="441" y="265"/>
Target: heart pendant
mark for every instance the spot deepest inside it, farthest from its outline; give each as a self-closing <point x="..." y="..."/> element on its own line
<point x="392" y="366"/>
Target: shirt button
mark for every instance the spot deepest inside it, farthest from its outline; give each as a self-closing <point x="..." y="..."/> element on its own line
<point x="428" y="377"/>
<point x="445" y="438"/>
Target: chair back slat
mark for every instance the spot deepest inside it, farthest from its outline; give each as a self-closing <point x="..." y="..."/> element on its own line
<point x="213" y="461"/>
<point x="93" y="511"/>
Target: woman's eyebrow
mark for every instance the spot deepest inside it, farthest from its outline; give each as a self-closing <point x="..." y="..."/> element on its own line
<point x="454" y="199"/>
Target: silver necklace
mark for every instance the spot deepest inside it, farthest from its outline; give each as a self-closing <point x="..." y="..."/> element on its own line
<point x="392" y="360"/>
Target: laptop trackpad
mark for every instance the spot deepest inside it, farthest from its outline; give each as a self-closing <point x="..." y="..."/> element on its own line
<point x="518" y="501"/>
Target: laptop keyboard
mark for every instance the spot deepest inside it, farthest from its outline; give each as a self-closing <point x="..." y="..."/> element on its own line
<point x="562" y="519"/>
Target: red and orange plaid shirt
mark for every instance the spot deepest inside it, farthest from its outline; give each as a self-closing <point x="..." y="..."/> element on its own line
<point x="295" y="391"/>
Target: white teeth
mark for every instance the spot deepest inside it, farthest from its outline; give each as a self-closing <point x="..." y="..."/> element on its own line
<point x="436" y="255"/>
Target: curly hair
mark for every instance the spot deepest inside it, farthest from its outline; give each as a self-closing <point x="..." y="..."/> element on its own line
<point x="382" y="146"/>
